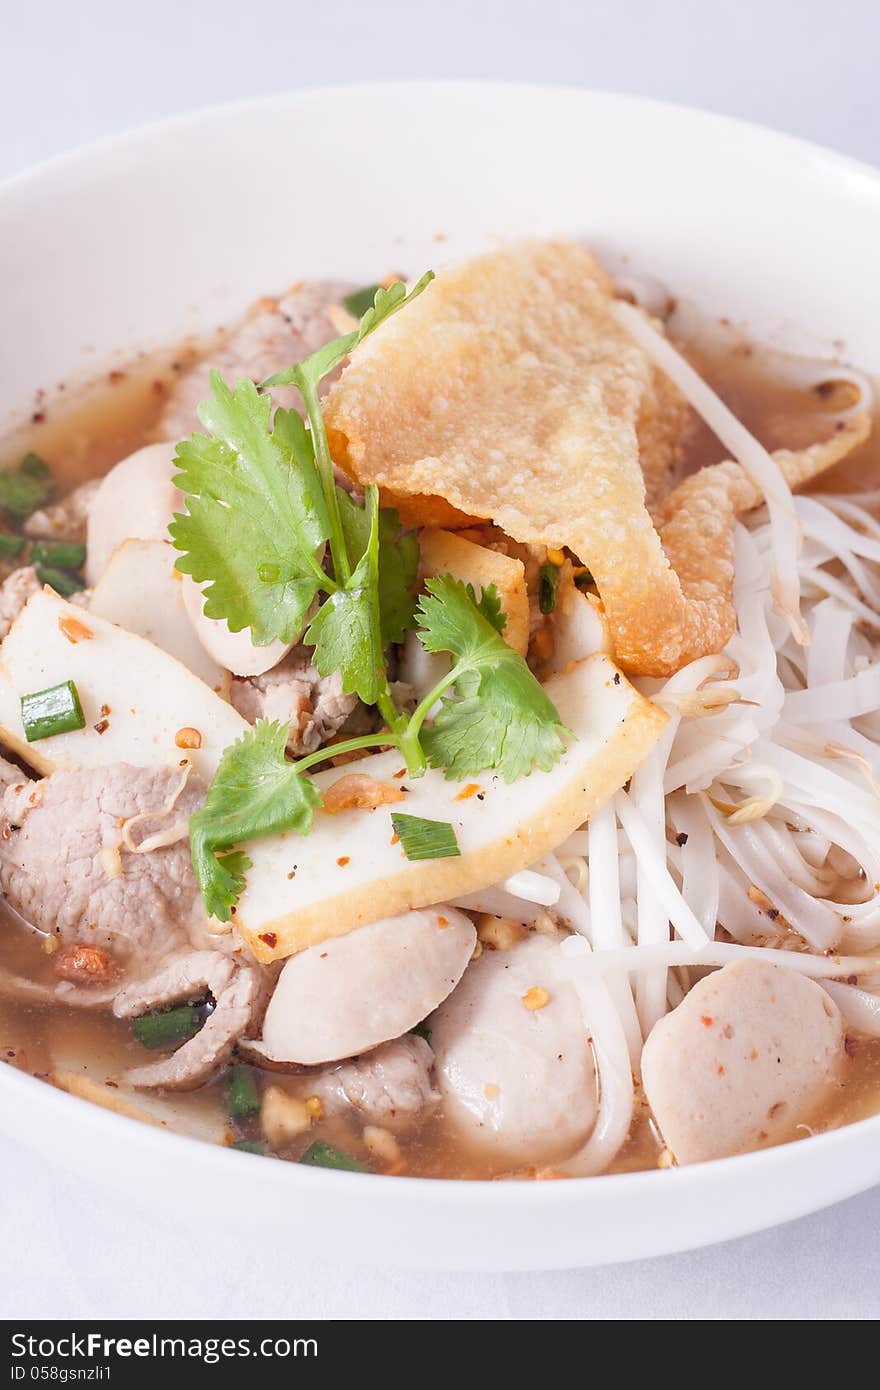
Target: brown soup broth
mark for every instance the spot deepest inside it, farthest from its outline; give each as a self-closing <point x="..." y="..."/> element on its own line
<point x="82" y="440"/>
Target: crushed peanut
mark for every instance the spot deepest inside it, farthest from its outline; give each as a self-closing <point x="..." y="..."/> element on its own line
<point x="665" y="1159"/>
<point x="499" y="933"/>
<point x="382" y="1144"/>
<point x="283" y="1117"/>
<point x="111" y="861"/>
<point x="315" y="1107"/>
<point x="51" y="944"/>
<point x="536" y="998"/>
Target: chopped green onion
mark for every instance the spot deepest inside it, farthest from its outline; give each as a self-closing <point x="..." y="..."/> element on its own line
<point x="359" y="301"/>
<point x="64" y="555"/>
<point x="425" y="839"/>
<point x="23" y="489"/>
<point x="548" y="583"/>
<point x="584" y="580"/>
<point x="56" y="710"/>
<point x="34" y="467"/>
<point x="421" y="1031"/>
<point x="168" y="1027"/>
<point x="321" y="1155"/>
<point x="242" y="1096"/>
<point x="63" y="583"/>
<point x="251" y="1146"/>
<point x="10" y="545"/>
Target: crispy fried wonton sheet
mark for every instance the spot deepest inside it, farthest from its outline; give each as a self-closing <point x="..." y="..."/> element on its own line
<point x="696" y="523"/>
<point x="509" y="391"/>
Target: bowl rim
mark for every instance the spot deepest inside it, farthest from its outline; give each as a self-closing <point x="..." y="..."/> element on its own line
<point x="67" y="160"/>
<point x="165" y="1142"/>
<point x="763" y="1164"/>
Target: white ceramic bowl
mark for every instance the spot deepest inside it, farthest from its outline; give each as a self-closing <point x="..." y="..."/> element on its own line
<point x="176" y="228"/>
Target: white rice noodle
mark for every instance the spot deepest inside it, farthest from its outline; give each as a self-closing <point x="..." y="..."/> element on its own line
<point x="700" y="886"/>
<point x="858" y="512"/>
<point x="500" y="904"/>
<point x="643" y="816"/>
<point x="761" y="815"/>
<point x="607" y="920"/>
<point x="651" y="295"/>
<point x="826" y="583"/>
<point x="860" y="1008"/>
<point x="718" y="953"/>
<point x="739" y="915"/>
<point x="817" y="923"/>
<point x="764" y="472"/>
<point x="533" y="887"/>
<point x="836" y="699"/>
<point x="570" y="904"/>
<point x="831" y="629"/>
<point x="616" y="1090"/>
<point x="657" y="874"/>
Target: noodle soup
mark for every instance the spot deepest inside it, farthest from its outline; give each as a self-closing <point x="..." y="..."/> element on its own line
<point x="588" y="880"/>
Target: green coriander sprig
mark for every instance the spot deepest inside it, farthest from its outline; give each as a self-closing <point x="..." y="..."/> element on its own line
<point x="262" y="507"/>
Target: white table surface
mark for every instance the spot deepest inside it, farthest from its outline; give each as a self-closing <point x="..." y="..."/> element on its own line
<point x="71" y="73"/>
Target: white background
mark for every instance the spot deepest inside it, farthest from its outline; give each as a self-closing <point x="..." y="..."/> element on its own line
<point x="73" y="72"/>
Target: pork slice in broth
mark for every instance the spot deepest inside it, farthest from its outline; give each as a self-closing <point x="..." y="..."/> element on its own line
<point x="275" y="334"/>
<point x="119" y="910"/>
<point x="391" y="1086"/>
<point x="295" y="693"/>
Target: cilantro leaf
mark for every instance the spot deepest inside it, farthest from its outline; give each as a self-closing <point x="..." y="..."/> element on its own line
<point x="398" y="563"/>
<point x="255" y="792"/>
<point x="256" y="514"/>
<point x="489" y="604"/>
<point x="386" y="301"/>
<point x="346" y="630"/>
<point x="359" y="301"/>
<point x="498" y="716"/>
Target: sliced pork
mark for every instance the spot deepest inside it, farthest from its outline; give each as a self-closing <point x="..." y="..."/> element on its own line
<point x="64" y="866"/>
<point x="390" y="1086"/>
<point x="237" y="992"/>
<point x="275" y="334"/>
<point x="15" y="591"/>
<point x="64" y="520"/>
<point x="295" y="693"/>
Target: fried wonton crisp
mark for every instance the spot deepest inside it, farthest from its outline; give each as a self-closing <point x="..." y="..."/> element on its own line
<point x="511" y="390"/>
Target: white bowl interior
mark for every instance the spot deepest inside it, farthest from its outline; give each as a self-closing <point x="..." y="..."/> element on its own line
<point x="174" y="229"/>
